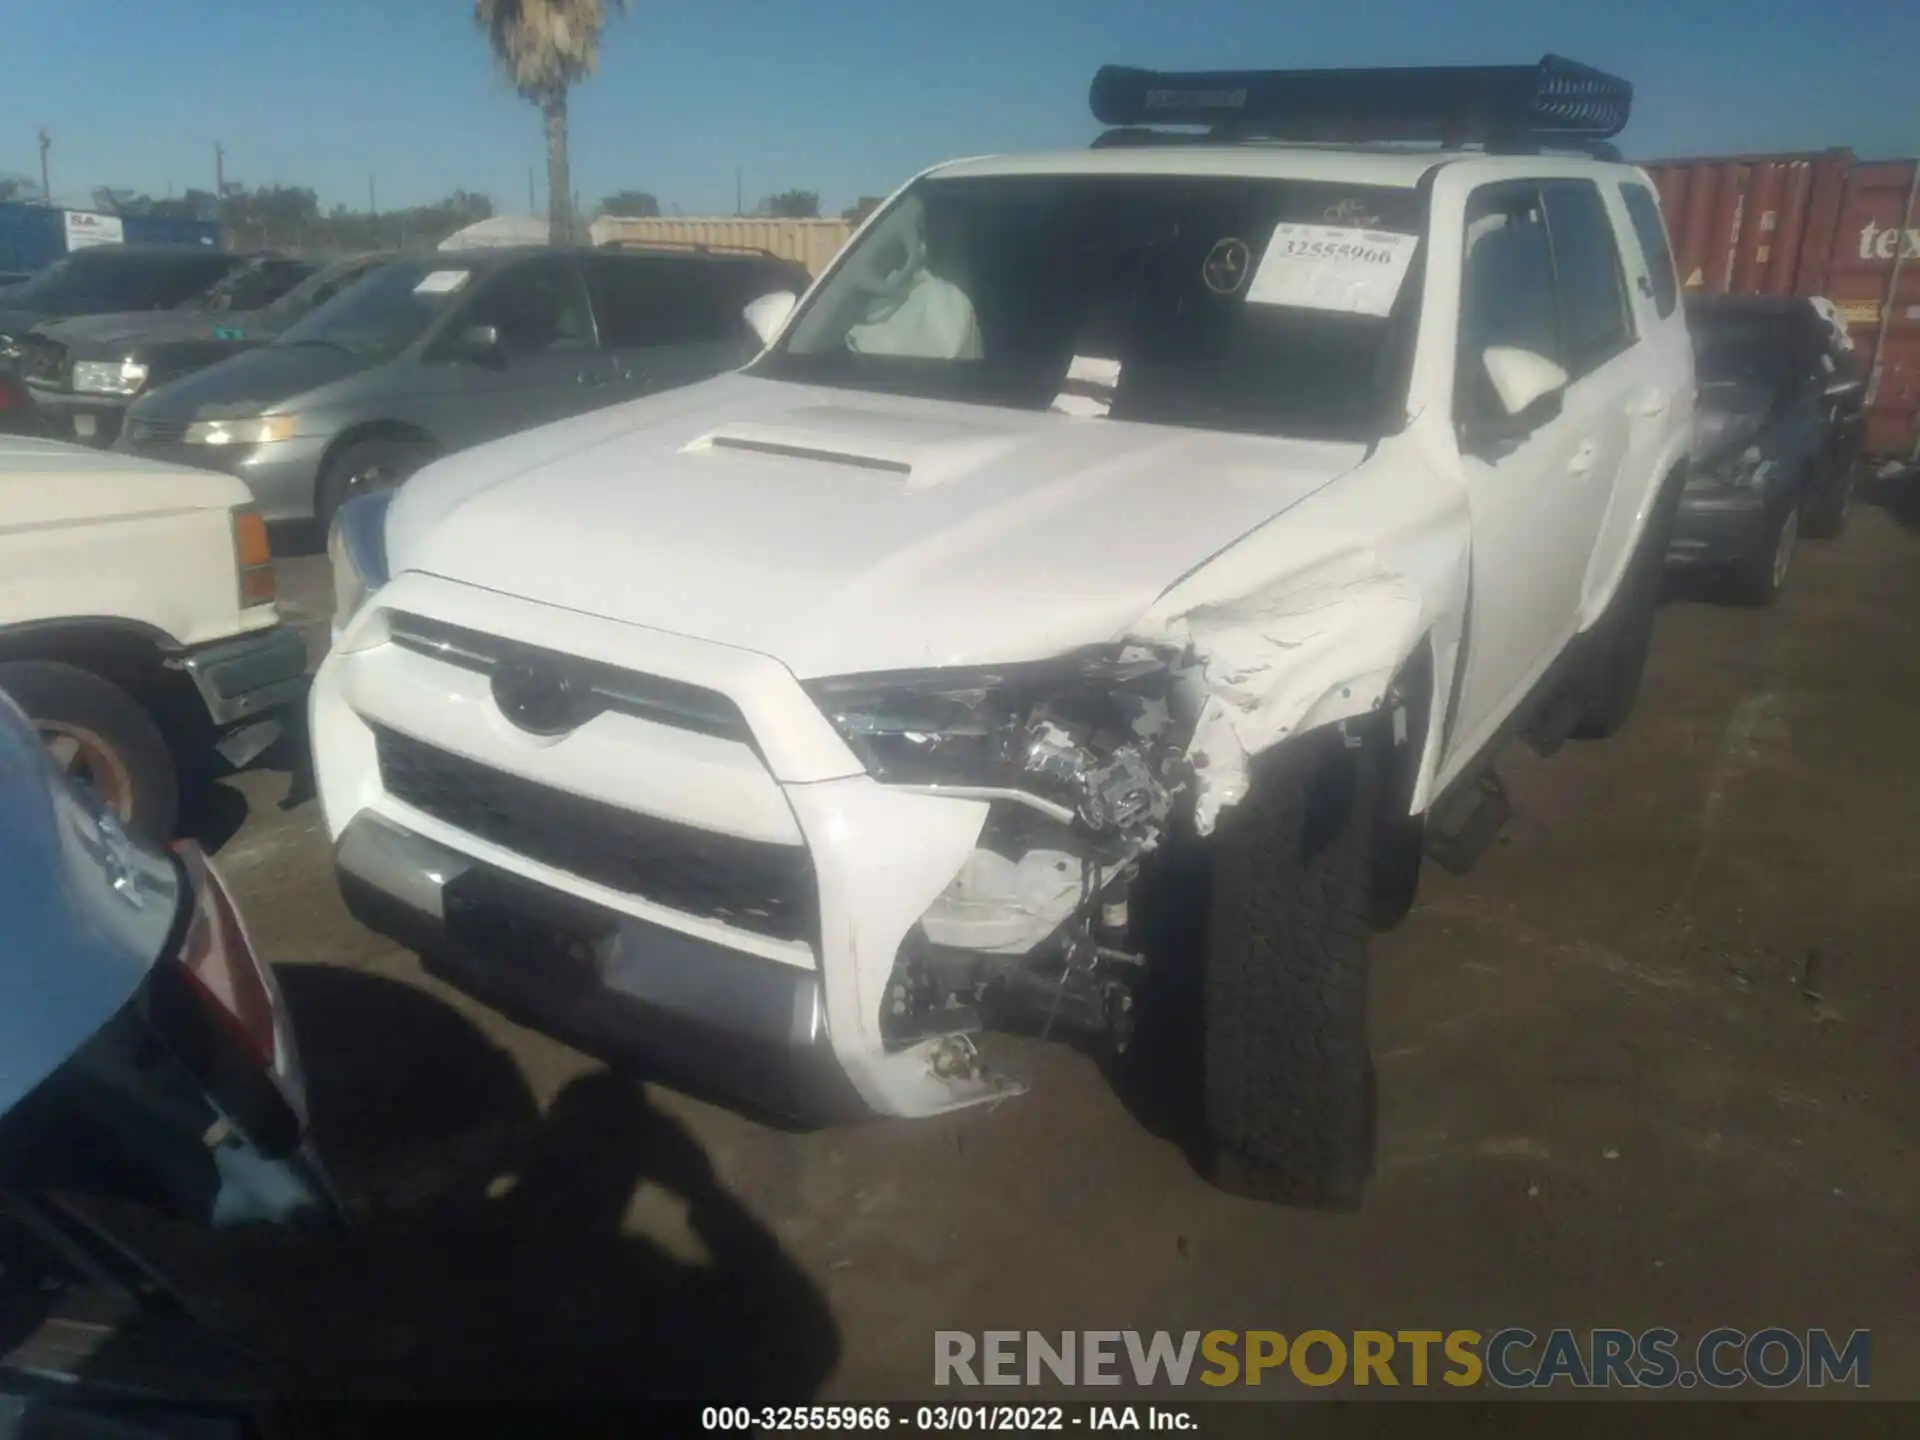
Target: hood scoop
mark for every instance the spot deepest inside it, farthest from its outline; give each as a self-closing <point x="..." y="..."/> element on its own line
<point x="924" y="452"/>
<point x="761" y="446"/>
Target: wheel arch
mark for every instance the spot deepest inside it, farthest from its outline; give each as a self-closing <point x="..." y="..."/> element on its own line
<point x="400" y="430"/>
<point x="128" y="653"/>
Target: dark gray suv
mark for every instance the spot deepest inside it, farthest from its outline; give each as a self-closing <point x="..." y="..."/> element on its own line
<point x="442" y="351"/>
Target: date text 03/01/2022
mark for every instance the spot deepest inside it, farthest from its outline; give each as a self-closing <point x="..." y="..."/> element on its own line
<point x="939" y="1419"/>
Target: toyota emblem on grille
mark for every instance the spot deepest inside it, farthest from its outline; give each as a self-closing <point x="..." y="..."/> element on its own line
<point x="537" y="696"/>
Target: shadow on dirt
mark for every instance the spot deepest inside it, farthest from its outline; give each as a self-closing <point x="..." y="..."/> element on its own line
<point x="489" y="1257"/>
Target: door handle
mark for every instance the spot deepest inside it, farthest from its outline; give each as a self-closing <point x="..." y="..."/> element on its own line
<point x="1583" y="458"/>
<point x="1654" y="402"/>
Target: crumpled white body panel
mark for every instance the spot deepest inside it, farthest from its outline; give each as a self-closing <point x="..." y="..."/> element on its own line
<point x="1307" y="620"/>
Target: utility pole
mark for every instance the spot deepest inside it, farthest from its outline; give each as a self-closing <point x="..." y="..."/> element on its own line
<point x="219" y="171"/>
<point x="530" y="209"/>
<point x="46" y="185"/>
<point x="373" y="205"/>
<point x="739" y="200"/>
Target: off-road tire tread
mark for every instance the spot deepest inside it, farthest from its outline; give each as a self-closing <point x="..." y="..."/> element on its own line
<point x="1288" y="1084"/>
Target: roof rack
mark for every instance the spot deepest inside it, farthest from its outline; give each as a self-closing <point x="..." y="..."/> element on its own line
<point x="1514" y="109"/>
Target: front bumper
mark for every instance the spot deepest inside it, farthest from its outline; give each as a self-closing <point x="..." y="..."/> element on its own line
<point x="282" y="475"/>
<point x="249" y="675"/>
<point x="651" y="840"/>
<point x="86" y="419"/>
<point x="1719" y="526"/>
<point x="750" y="1029"/>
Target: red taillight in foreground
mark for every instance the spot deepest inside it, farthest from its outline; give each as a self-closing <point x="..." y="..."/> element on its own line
<point x="12" y="397"/>
<point x="218" y="958"/>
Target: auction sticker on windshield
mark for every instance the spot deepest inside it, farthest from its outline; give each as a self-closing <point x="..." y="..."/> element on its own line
<point x="440" y="282"/>
<point x="1332" y="267"/>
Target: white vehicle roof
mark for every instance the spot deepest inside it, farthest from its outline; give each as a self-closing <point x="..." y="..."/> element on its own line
<point x="1347" y="164"/>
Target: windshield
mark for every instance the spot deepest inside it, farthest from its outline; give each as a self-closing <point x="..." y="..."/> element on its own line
<point x="1736" y="349"/>
<point x="315" y="290"/>
<point x="1277" y="307"/>
<point x="75" y="277"/>
<point x="390" y="309"/>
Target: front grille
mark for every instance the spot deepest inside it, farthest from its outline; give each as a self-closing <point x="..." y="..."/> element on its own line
<point x="765" y="888"/>
<point x="627" y="692"/>
<point x="43" y="361"/>
<point x="142" y="431"/>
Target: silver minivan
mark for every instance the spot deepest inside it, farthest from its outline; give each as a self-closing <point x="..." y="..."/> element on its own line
<point x="437" y="352"/>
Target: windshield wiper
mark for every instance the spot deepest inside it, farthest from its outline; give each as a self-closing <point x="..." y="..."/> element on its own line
<point x="315" y="342"/>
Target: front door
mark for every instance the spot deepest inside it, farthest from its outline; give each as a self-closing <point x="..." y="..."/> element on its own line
<point x="1538" y="484"/>
<point x="667" y="320"/>
<point x="547" y="366"/>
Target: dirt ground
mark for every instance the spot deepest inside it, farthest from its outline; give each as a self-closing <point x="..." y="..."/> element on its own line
<point x="1652" y="1063"/>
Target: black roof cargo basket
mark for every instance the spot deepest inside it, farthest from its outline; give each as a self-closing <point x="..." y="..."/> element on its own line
<point x="1557" y="103"/>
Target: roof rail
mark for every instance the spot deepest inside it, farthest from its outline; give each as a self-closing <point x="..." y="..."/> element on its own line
<point x="688" y="247"/>
<point x="1554" y="104"/>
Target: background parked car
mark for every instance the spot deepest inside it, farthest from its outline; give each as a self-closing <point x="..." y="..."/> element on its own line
<point x="86" y="371"/>
<point x="107" y="278"/>
<point x="137" y="624"/>
<point x="18" y="415"/>
<point x="437" y="353"/>
<point x="1777" y="428"/>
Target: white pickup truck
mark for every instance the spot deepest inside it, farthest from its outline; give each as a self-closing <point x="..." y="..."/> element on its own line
<point x="137" y="621"/>
<point x="1166" y="532"/>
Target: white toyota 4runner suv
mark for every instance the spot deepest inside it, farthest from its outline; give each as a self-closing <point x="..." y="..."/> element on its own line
<point x="1170" y="529"/>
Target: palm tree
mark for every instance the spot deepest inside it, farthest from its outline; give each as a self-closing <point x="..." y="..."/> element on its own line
<point x="545" y="48"/>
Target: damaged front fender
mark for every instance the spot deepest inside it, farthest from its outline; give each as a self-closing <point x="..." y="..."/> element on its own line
<point x="1307" y="620"/>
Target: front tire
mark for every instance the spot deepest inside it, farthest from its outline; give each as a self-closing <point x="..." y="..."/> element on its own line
<point x="101" y="736"/>
<point x="1763" y="575"/>
<point x="1288" y="1083"/>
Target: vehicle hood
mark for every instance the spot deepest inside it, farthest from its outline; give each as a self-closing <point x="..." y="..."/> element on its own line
<point x="134" y="331"/>
<point x="844" y="532"/>
<point x="17" y="322"/>
<point x="85" y="909"/>
<point x="251" y="383"/>
<point x="49" y="483"/>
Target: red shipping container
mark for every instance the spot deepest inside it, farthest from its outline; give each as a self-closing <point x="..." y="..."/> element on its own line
<point x="1816" y="224"/>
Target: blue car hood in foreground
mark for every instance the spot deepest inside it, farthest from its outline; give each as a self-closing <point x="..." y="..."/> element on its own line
<point x="85" y="910"/>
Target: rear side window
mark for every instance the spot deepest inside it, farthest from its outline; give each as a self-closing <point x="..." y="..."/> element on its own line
<point x="646" y="300"/>
<point x="1644" y="211"/>
<point x="1595" y="324"/>
<point x="1507" y="292"/>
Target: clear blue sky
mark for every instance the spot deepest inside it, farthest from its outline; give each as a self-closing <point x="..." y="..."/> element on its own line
<point x="848" y="97"/>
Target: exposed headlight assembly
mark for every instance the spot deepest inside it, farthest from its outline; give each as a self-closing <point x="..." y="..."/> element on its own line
<point x="108" y="377"/>
<point x="357" y="551"/>
<point x="1081" y="734"/>
<point x="260" y="430"/>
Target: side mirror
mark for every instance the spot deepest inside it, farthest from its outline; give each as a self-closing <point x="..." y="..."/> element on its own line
<point x="767" y="314"/>
<point x="1521" y="379"/>
<point x="479" y="343"/>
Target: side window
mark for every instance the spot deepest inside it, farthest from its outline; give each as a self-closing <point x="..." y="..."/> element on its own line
<point x="1595" y="324"/>
<point x="1506" y="292"/>
<point x="536" y="305"/>
<point x="1648" y="229"/>
<point x="648" y="300"/>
